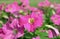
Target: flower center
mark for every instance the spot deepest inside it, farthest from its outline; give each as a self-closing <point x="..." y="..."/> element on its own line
<point x="15" y="31"/>
<point x="31" y="20"/>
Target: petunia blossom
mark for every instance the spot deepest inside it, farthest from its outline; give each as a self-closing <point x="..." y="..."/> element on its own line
<point x="45" y="3"/>
<point x="12" y="7"/>
<point x="25" y="2"/>
<point x="55" y="19"/>
<point x="14" y="29"/>
<point x="32" y="21"/>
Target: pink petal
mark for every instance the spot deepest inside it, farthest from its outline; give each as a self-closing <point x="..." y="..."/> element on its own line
<point x="50" y="34"/>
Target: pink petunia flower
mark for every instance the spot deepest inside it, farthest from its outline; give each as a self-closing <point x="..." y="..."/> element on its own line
<point x="58" y="11"/>
<point x="12" y="7"/>
<point x="4" y="35"/>
<point x="57" y="8"/>
<point x="13" y="29"/>
<point x="25" y="2"/>
<point x="45" y="3"/>
<point x="55" y="19"/>
<point x="32" y="21"/>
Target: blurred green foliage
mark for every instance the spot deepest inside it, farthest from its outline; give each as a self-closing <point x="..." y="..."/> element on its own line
<point x="32" y="2"/>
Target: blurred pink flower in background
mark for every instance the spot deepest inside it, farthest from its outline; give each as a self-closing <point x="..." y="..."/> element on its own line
<point x="25" y="3"/>
<point x="55" y="19"/>
<point x="58" y="11"/>
<point x="2" y="6"/>
<point x="57" y="8"/>
<point x="44" y="4"/>
<point x="12" y="7"/>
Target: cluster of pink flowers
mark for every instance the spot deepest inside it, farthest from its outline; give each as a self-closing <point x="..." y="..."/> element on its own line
<point x="20" y="19"/>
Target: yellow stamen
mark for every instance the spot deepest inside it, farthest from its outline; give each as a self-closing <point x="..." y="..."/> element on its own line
<point x="31" y="20"/>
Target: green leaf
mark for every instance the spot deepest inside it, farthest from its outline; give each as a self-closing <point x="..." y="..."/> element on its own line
<point x="41" y="33"/>
<point x="57" y="37"/>
<point x="47" y="15"/>
<point x="4" y="15"/>
<point x="42" y="37"/>
<point x="0" y="25"/>
<point x="3" y="20"/>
